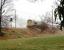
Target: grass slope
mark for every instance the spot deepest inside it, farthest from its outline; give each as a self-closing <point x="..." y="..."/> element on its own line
<point x="35" y="43"/>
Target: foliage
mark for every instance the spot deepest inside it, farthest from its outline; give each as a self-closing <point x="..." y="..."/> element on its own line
<point x="59" y="11"/>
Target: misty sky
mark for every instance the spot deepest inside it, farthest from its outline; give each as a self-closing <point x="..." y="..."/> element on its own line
<point x="32" y="10"/>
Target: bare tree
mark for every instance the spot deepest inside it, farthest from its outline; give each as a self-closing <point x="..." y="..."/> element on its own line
<point x="3" y="10"/>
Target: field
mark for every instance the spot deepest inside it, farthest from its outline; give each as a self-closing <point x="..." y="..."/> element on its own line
<point x="34" y="43"/>
<point x="22" y="39"/>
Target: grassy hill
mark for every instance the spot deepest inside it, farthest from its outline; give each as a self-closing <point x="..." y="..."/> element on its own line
<point x="25" y="33"/>
<point x="31" y="39"/>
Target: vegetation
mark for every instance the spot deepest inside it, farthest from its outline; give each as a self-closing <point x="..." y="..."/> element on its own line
<point x="5" y="7"/>
<point x="35" y="43"/>
<point x="37" y="37"/>
<point x="59" y="11"/>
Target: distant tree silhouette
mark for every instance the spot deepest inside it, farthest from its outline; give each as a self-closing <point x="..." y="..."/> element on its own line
<point x="59" y="11"/>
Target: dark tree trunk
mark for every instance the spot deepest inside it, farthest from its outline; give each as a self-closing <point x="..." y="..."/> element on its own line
<point x="62" y="24"/>
<point x="1" y="33"/>
<point x="0" y="21"/>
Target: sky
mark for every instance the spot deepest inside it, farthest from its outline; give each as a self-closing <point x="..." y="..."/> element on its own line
<point x="32" y="10"/>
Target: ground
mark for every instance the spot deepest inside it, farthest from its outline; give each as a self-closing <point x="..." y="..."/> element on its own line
<point x="24" y="33"/>
<point x="22" y="39"/>
<point x="33" y="43"/>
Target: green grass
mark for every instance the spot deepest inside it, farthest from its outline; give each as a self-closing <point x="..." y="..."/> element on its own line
<point x="35" y="43"/>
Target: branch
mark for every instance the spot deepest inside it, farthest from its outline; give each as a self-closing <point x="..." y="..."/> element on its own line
<point x="4" y="2"/>
<point x="9" y="9"/>
<point x="55" y="13"/>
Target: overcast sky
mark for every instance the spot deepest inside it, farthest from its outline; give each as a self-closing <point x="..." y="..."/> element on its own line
<point x="32" y="10"/>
